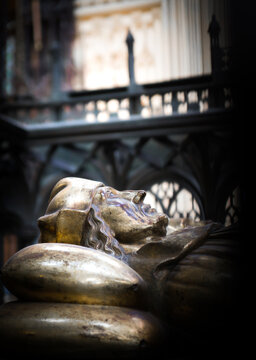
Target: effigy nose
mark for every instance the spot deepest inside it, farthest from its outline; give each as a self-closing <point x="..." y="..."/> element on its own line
<point x="140" y="196"/>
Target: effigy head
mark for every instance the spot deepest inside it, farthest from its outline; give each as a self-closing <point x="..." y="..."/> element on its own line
<point x="88" y="213"/>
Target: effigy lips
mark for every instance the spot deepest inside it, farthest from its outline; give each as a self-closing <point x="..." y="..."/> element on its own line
<point x="72" y="273"/>
<point x="74" y="330"/>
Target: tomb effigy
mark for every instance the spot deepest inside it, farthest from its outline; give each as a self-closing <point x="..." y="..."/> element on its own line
<point x="110" y="276"/>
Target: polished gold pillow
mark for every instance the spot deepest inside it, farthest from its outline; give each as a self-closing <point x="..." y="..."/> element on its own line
<point x="72" y="273"/>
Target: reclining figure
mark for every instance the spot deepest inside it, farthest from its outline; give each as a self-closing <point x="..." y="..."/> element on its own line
<point x="111" y="275"/>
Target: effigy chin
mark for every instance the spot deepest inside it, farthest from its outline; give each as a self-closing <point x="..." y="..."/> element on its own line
<point x="111" y="278"/>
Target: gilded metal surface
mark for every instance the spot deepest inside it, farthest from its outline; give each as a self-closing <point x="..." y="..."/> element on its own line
<point x="200" y="290"/>
<point x="97" y="216"/>
<point x="72" y="273"/>
<point x="192" y="275"/>
<point x="166" y="252"/>
<point x="183" y="272"/>
<point x="69" y="204"/>
<point x="73" y="330"/>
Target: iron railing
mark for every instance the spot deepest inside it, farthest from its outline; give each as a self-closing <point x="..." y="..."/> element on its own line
<point x="177" y="139"/>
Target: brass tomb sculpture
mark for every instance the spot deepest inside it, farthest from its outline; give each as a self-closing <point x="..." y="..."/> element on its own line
<point x="111" y="276"/>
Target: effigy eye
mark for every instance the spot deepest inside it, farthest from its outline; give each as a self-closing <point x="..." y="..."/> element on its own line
<point x="99" y="196"/>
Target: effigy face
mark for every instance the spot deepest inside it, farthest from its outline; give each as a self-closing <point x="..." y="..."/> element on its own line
<point x="127" y="215"/>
